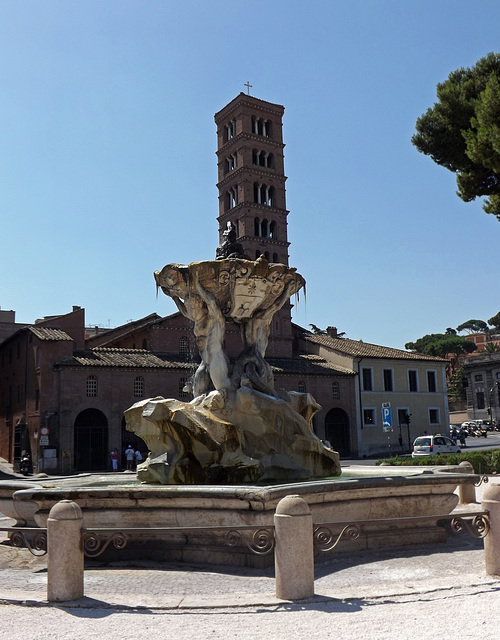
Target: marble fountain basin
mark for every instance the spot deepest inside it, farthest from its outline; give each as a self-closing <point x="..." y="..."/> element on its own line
<point x="361" y="493"/>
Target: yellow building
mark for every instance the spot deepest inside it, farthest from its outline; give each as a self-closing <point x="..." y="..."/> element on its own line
<point x="391" y="386"/>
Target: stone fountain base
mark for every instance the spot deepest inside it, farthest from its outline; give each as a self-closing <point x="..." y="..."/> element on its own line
<point x="107" y="502"/>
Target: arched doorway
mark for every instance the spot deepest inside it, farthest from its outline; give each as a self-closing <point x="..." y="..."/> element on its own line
<point x="129" y="438"/>
<point x="337" y="431"/>
<point x="91" y="441"/>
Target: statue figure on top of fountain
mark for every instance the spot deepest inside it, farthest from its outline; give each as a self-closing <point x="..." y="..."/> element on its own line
<point x="238" y="428"/>
<point x="229" y="247"/>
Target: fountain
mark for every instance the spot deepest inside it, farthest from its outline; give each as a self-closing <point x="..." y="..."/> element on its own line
<point x="230" y="455"/>
<point x="239" y="428"/>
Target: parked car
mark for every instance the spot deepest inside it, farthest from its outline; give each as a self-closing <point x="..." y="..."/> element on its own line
<point x="432" y="445"/>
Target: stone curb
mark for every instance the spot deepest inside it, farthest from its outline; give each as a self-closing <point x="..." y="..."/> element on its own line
<point x="240" y="601"/>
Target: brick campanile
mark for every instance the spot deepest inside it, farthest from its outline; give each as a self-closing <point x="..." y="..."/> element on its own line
<point x="251" y="184"/>
<point x="251" y="176"/>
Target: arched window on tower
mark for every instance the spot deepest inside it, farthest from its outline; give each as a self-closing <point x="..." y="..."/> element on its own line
<point x="231" y="197"/>
<point x="261" y="127"/>
<point x="257" y="254"/>
<point x="262" y="158"/>
<point x="256" y="227"/>
<point x="270" y="197"/>
<point x="275" y="257"/>
<point x="230" y="130"/>
<point x="231" y="162"/>
<point x="265" y="228"/>
<point x="263" y="194"/>
<point x="272" y="229"/>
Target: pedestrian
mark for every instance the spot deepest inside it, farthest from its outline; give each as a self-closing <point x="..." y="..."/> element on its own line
<point x="461" y="437"/>
<point x="114" y="459"/>
<point x="129" y="454"/>
<point x="138" y="458"/>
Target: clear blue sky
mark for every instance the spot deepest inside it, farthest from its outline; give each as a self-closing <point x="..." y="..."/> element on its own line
<point x="108" y="165"/>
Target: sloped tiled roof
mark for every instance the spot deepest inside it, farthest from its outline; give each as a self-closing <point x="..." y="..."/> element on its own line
<point x="140" y="358"/>
<point x="307" y="364"/>
<point x="119" y="332"/>
<point x="130" y="358"/>
<point x="357" y="348"/>
<point x="43" y="333"/>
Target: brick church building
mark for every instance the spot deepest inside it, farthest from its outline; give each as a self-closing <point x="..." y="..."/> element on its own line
<point x="63" y="390"/>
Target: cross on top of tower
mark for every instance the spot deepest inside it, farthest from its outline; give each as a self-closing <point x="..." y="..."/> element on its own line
<point x="248" y="86"/>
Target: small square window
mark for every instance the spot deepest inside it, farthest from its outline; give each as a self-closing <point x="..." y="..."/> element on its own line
<point x="433" y="416"/>
<point x="478" y="377"/>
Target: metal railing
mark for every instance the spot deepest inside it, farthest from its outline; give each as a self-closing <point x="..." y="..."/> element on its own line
<point x="475" y="523"/>
<point x="260" y="541"/>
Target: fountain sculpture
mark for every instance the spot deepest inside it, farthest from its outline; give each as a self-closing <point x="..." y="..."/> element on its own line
<point x="239" y="428"/>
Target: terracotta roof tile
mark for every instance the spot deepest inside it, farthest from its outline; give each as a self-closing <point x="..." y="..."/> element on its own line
<point x="139" y="358"/>
<point x="49" y="334"/>
<point x="308" y="364"/>
<point x="358" y="348"/>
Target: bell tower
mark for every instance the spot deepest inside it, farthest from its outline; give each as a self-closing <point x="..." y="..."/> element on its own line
<point x="251" y="176"/>
<point x="251" y="184"/>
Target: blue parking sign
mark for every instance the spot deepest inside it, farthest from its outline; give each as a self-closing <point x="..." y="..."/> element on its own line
<point x="386" y="416"/>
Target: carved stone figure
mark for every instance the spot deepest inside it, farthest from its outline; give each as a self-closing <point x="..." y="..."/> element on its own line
<point x="238" y="427"/>
<point x="229" y="247"/>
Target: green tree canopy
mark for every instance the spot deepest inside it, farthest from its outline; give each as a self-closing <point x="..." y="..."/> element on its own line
<point x="456" y="389"/>
<point x="317" y="331"/>
<point x="441" y="345"/>
<point x="462" y="130"/>
<point x="473" y="326"/>
<point x="495" y="321"/>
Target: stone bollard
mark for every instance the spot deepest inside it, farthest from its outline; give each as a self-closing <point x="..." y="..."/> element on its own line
<point x="294" y="549"/>
<point x="65" y="554"/>
<point x="491" y="503"/>
<point x="466" y="492"/>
